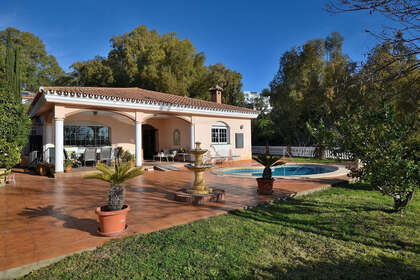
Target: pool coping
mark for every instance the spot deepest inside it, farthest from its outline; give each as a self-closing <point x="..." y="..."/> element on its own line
<point x="341" y="171"/>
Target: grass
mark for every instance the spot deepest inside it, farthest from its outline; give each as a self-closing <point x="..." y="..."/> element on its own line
<point x="345" y="232"/>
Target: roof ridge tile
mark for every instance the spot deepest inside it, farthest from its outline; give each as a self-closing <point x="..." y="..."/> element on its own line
<point x="146" y="95"/>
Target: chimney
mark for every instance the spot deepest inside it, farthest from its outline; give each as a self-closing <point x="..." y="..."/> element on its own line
<point x="216" y="94"/>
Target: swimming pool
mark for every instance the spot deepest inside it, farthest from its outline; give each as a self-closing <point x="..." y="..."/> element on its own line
<point x="288" y="170"/>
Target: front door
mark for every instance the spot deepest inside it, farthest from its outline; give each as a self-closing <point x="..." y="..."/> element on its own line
<point x="35" y="143"/>
<point x="149" y="141"/>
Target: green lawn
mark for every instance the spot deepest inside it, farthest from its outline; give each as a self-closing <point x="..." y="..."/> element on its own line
<point x="345" y="232"/>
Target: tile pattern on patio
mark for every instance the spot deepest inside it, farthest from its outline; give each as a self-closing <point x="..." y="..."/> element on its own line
<point x="41" y="217"/>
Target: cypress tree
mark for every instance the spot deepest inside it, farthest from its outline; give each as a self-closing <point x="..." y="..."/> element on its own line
<point x="15" y="122"/>
<point x="10" y="62"/>
<point x="17" y="78"/>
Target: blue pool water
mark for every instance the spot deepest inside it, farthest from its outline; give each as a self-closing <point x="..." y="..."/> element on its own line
<point x="285" y="170"/>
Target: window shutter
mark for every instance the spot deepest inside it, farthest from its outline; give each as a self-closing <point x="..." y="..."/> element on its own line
<point x="239" y="140"/>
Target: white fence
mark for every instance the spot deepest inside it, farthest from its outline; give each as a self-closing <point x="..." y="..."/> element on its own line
<point x="297" y="152"/>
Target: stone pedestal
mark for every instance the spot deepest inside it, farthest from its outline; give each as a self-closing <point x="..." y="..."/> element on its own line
<point x="183" y="195"/>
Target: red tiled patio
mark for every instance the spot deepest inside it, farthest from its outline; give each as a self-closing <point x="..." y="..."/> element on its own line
<point x="42" y="218"/>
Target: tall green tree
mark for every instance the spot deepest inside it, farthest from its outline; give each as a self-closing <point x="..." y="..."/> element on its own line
<point x="230" y="81"/>
<point x="15" y="122"/>
<point x="148" y="60"/>
<point x="144" y="58"/>
<point x="314" y="81"/>
<point x="94" y="72"/>
<point x="37" y="66"/>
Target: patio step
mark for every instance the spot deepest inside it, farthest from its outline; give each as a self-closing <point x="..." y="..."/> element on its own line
<point x="165" y="168"/>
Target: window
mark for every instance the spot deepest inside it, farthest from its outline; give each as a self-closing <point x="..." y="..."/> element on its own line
<point x="239" y="140"/>
<point x="220" y="133"/>
<point x="177" y="137"/>
<point x="86" y="136"/>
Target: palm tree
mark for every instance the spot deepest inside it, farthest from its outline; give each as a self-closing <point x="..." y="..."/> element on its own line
<point x="116" y="176"/>
<point x="268" y="161"/>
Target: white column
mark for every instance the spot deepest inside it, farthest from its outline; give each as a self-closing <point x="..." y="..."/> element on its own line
<point x="139" y="155"/>
<point x="192" y="136"/>
<point x="48" y="140"/>
<point x="192" y="140"/>
<point x="48" y="134"/>
<point x="59" y="145"/>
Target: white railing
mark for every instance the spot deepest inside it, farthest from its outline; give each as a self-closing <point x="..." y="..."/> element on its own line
<point x="297" y="152"/>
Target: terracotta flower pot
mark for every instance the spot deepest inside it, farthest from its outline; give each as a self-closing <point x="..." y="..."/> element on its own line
<point x="67" y="169"/>
<point x="265" y="186"/>
<point x="42" y="170"/>
<point x="112" y="223"/>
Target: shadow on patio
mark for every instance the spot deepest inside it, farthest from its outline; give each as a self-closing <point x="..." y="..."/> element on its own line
<point x="86" y="225"/>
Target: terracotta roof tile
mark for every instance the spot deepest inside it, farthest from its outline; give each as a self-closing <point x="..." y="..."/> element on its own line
<point x="149" y="95"/>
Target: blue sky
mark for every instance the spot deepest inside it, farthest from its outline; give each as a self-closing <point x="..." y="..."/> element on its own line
<point x="247" y="36"/>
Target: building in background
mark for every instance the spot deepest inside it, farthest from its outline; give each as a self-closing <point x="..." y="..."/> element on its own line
<point x="27" y="97"/>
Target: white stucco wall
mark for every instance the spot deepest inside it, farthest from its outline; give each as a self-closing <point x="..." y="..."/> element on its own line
<point x="123" y="130"/>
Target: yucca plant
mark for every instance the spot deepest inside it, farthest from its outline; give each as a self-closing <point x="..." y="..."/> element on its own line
<point x="116" y="176"/>
<point x="268" y="161"/>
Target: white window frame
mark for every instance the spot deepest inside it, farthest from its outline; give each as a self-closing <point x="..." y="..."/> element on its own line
<point x="216" y="131"/>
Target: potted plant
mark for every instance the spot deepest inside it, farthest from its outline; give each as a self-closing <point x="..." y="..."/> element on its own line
<point x="112" y="217"/>
<point x="68" y="164"/>
<point x="3" y="175"/>
<point x="9" y="157"/>
<point x="42" y="168"/>
<point x="265" y="183"/>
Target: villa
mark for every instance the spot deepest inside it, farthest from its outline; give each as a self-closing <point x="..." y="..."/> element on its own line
<point x="141" y="121"/>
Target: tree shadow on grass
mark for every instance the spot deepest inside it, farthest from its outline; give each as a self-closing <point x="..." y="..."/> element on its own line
<point x="376" y="268"/>
<point x="82" y="224"/>
<point x="333" y="220"/>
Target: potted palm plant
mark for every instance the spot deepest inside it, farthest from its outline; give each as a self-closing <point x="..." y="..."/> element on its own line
<point x="112" y="217"/>
<point x="265" y="183"/>
<point x="68" y="164"/>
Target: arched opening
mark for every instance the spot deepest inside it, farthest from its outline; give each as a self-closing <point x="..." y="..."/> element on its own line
<point x="149" y="141"/>
<point x="98" y="129"/>
<point x="171" y="133"/>
<point x="94" y="128"/>
<point x="96" y="112"/>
